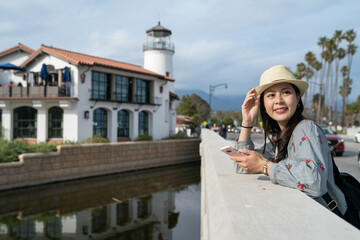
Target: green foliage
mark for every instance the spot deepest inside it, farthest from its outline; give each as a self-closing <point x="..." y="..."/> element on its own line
<point x="96" y="139"/>
<point x="10" y="220"/>
<point x="195" y="107"/>
<point x="179" y="135"/>
<point x="228" y="121"/>
<point x="43" y="147"/>
<point x="68" y="142"/>
<point x="144" y="137"/>
<point x="186" y="106"/>
<point x="195" y="119"/>
<point x="10" y="150"/>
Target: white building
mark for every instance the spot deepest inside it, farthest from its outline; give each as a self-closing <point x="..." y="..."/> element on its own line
<point x="87" y="95"/>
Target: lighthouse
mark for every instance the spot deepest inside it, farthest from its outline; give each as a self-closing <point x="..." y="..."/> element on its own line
<point x="158" y="51"/>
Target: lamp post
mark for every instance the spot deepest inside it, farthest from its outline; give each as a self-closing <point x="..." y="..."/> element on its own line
<point x="211" y="92"/>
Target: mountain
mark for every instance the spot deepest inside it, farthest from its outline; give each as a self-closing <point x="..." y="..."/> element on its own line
<point x="218" y="102"/>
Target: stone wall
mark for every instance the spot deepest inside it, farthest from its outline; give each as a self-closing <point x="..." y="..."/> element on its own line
<point x="80" y="161"/>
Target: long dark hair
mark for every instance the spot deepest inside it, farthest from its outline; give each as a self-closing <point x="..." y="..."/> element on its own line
<point x="271" y="127"/>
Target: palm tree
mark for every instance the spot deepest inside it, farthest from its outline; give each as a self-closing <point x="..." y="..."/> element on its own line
<point x="330" y="47"/>
<point x="339" y="54"/>
<point x="321" y="43"/>
<point x="309" y="59"/>
<point x="317" y="66"/>
<point x="350" y="36"/>
<point x="345" y="90"/>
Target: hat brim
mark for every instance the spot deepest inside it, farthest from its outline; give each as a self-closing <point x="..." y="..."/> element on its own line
<point x="300" y="84"/>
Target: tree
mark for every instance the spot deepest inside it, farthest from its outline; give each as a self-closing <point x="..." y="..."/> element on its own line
<point x="195" y="107"/>
<point x="186" y="106"/>
<point x="202" y="107"/>
<point x="345" y="90"/>
<point x="353" y="109"/>
<point x="321" y="43"/>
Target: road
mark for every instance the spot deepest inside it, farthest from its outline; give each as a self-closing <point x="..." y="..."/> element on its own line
<point x="346" y="163"/>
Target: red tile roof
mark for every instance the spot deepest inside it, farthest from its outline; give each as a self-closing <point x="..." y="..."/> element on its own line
<point x="84" y="59"/>
<point x="16" y="48"/>
<point x="174" y="96"/>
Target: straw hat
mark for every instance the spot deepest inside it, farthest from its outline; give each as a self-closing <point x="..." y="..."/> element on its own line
<point x="280" y="74"/>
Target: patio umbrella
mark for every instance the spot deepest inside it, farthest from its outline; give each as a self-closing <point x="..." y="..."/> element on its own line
<point x="9" y="66"/>
<point x="43" y="73"/>
<point x="66" y="75"/>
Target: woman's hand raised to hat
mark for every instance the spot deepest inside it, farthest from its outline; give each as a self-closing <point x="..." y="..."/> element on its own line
<point x="250" y="108"/>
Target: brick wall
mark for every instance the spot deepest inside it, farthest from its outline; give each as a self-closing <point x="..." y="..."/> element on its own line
<point x="79" y="161"/>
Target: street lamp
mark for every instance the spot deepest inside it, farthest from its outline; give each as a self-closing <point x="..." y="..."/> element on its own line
<point x="211" y="92"/>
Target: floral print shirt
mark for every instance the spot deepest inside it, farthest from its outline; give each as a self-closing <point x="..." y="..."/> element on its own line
<point x="308" y="166"/>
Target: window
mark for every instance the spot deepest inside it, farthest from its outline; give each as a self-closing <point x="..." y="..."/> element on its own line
<point x="55" y="125"/>
<point x="100" y="86"/>
<point x="25" y="122"/>
<point x="98" y="220"/>
<point x="53" y="228"/>
<point x="143" y="123"/>
<point x="142" y="91"/>
<point x="123" y="123"/>
<point x="122" y="213"/>
<point x="123" y="89"/>
<point x="100" y="122"/>
<point x="143" y="207"/>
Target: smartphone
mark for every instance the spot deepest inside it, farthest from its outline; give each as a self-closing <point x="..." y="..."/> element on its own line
<point x="231" y="151"/>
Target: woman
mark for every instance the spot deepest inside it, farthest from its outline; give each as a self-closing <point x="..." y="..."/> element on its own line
<point x="296" y="153"/>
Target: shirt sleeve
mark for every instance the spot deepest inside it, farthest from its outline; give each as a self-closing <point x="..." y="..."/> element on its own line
<point x="269" y="152"/>
<point x="306" y="166"/>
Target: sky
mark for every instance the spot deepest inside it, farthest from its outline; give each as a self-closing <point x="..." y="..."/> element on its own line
<point x="228" y="41"/>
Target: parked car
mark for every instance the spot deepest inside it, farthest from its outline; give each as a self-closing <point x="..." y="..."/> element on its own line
<point x="257" y="130"/>
<point x="234" y="130"/>
<point x="336" y="142"/>
<point x="357" y="137"/>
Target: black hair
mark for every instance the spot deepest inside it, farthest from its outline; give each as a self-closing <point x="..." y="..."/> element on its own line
<point x="271" y="127"/>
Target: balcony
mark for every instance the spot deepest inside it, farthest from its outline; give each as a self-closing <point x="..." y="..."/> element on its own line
<point x="34" y="92"/>
<point x="159" y="46"/>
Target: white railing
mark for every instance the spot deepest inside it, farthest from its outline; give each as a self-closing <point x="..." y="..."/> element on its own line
<point x="249" y="206"/>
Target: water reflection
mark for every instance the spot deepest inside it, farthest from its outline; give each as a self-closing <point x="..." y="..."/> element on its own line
<point x="138" y="205"/>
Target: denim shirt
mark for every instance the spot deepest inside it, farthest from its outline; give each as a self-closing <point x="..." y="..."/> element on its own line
<point x="308" y="166"/>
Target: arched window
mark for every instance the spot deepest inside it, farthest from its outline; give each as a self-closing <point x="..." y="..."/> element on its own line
<point x="53" y="227"/>
<point x="122" y="213"/>
<point x="143" y="207"/>
<point x="143" y="123"/>
<point x="100" y="122"/>
<point x="55" y="125"/>
<point x="25" y="122"/>
<point x="123" y="123"/>
<point x="98" y="220"/>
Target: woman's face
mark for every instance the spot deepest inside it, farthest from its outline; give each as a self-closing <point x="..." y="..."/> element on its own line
<point x="280" y="103"/>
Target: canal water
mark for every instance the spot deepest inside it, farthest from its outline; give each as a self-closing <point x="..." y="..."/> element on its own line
<point x="161" y="203"/>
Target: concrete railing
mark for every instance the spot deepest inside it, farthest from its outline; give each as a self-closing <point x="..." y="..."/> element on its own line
<point x="249" y="206"/>
<point x="81" y="161"/>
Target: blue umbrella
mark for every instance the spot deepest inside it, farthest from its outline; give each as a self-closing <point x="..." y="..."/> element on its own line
<point x="43" y="73"/>
<point x="10" y="66"/>
<point x="66" y="75"/>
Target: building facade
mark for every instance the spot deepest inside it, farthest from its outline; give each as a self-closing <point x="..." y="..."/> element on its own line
<point x="81" y="96"/>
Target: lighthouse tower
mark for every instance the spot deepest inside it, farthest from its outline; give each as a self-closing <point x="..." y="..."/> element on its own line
<point x="158" y="51"/>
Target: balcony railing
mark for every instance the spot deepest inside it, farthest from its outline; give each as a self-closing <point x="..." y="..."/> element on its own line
<point x="159" y="46"/>
<point x="40" y="91"/>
